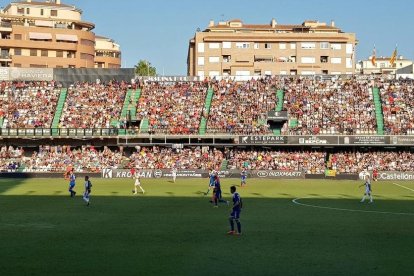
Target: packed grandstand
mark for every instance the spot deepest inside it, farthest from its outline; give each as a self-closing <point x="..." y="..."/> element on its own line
<point x="342" y="106"/>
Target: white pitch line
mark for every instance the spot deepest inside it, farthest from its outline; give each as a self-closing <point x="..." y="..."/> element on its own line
<point x="296" y="201"/>
<point x="403" y="187"/>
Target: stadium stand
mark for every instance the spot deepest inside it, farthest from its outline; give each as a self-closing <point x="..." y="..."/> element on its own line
<point x="174" y="109"/>
<point x="92" y="105"/>
<point x="330" y="107"/>
<point x="398" y="106"/>
<point x="28" y="105"/>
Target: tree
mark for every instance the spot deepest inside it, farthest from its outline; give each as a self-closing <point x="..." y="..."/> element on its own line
<point x="144" y="68"/>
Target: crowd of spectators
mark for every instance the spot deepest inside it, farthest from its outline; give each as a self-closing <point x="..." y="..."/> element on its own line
<point x="172" y="108"/>
<point x="93" y="105"/>
<point x="355" y="162"/>
<point x="311" y="162"/>
<point x="398" y="106"/>
<point x="167" y="158"/>
<point x="92" y="159"/>
<point x="10" y="158"/>
<point x="336" y="106"/>
<point x="241" y="107"/>
<point x="28" y="104"/>
<point x="83" y="159"/>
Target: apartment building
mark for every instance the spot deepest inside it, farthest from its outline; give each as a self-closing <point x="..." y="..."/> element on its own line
<point x="232" y="48"/>
<point x="50" y="34"/>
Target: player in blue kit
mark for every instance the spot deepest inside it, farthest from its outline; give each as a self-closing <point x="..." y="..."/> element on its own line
<point x="243" y="177"/>
<point x="72" y="183"/>
<point x="217" y="197"/>
<point x="235" y="212"/>
<point x="211" y="184"/>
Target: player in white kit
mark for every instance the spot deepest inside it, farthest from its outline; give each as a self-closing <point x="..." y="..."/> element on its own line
<point x="174" y="173"/>
<point x="137" y="184"/>
<point x="368" y="190"/>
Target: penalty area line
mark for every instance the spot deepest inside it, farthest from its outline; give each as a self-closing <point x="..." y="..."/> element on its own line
<point x="403" y="187"/>
<point x="296" y="201"/>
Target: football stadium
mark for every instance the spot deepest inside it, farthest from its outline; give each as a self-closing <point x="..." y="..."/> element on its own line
<point x="261" y="165"/>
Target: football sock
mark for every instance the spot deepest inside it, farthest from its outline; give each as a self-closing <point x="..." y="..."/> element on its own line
<point x="238" y="226"/>
<point x="231" y="224"/>
<point x="363" y="199"/>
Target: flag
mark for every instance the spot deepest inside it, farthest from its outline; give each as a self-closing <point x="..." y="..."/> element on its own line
<point x="374" y="58"/>
<point x="393" y="57"/>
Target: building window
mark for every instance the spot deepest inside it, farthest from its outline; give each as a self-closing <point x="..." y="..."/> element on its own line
<point x="226" y="72"/>
<point x="226" y="45"/>
<point x="53" y="13"/>
<point x="306" y="73"/>
<point x="336" y="46"/>
<point x="292" y="46"/>
<point x="18" y="37"/>
<point x="87" y="42"/>
<point x="71" y="55"/>
<point x="226" y="58"/>
<point x="282" y="46"/>
<point x="257" y="72"/>
<point x="44" y="53"/>
<point x="308" y="45"/>
<point x="38" y="66"/>
<point x="242" y="45"/>
<point x="382" y="65"/>
<point x="336" y="60"/>
<point x="256" y="46"/>
<point x="283" y="73"/>
<point x="349" y="49"/>
<point x="42" y="12"/>
<point x="200" y="47"/>
<point x="59" y="54"/>
<point x="200" y="74"/>
<point x="200" y="61"/>
<point x="33" y="52"/>
<point x="27" y="10"/>
<point x="324" y="59"/>
<point x="324" y="45"/>
<point x="348" y="62"/>
<point x="18" y="52"/>
<point x="308" y="60"/>
<point x="17" y="65"/>
<point x="268" y="46"/>
<point x="214" y="45"/>
<point x="213" y="73"/>
<point x="214" y="59"/>
<point x="20" y="10"/>
<point x="268" y="73"/>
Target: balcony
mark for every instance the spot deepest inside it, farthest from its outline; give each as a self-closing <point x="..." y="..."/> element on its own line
<point x="5" y="57"/>
<point x="5" y="27"/>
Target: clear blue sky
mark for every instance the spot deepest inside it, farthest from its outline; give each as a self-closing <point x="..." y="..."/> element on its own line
<point x="159" y="30"/>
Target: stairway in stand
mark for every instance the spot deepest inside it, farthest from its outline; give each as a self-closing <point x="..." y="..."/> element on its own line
<point x="207" y="105"/>
<point x="58" y="113"/>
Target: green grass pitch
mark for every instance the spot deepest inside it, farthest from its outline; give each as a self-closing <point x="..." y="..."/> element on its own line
<point x="174" y="230"/>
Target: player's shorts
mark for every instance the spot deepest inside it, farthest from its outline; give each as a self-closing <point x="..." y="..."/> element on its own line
<point x="217" y="194"/>
<point x="235" y="214"/>
<point x="71" y="185"/>
<point x="243" y="178"/>
<point x="211" y="184"/>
